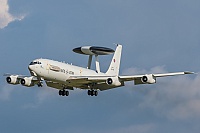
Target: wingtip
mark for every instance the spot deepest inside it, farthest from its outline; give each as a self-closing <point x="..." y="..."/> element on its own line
<point x="188" y="72"/>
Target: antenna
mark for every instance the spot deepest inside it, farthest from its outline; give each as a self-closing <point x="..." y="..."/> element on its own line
<point x="93" y="50"/>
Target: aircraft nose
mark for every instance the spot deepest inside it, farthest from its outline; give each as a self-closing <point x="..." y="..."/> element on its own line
<point x="30" y="67"/>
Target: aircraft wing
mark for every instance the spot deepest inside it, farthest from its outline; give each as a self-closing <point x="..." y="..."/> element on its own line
<point x="138" y="79"/>
<point x="21" y="76"/>
<point x="150" y="78"/>
<point x="57" y="85"/>
<point x="100" y="81"/>
<point x="83" y="82"/>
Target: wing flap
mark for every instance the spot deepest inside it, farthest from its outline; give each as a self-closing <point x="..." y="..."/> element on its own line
<point x="57" y="85"/>
<point x="130" y="78"/>
<point x="87" y="79"/>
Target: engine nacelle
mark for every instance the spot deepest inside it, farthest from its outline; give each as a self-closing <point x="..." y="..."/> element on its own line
<point x="113" y="81"/>
<point x="148" y="79"/>
<point x="12" y="79"/>
<point x="27" y="81"/>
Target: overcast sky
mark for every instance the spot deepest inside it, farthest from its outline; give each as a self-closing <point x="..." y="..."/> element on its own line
<point x="157" y="36"/>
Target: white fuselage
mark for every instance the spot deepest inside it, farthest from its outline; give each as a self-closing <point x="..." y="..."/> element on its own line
<point x="59" y="71"/>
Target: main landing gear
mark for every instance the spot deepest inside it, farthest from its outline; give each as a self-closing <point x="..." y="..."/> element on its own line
<point x="66" y="93"/>
<point x="92" y="93"/>
<point x="63" y="93"/>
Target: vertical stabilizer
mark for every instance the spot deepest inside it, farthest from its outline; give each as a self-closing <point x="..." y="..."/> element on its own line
<point x="113" y="69"/>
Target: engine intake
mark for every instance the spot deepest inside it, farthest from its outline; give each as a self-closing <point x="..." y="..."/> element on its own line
<point x="12" y="79"/>
<point x="113" y="81"/>
<point x="27" y="81"/>
<point x="148" y="79"/>
<point x="109" y="81"/>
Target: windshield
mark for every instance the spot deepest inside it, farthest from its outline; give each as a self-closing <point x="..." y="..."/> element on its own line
<point x="35" y="62"/>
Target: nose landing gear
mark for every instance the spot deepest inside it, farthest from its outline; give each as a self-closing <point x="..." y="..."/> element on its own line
<point x="40" y="84"/>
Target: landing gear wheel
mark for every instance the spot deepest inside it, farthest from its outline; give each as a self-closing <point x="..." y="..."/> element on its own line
<point x="89" y="92"/>
<point x="40" y="84"/>
<point x="67" y="93"/>
<point x="92" y="93"/>
<point x="95" y="93"/>
<point x="60" y="92"/>
<point x="63" y="93"/>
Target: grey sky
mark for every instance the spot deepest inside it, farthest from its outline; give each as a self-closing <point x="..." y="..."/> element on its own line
<point x="157" y="36"/>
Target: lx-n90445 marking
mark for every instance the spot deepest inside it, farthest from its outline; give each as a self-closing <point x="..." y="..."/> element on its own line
<point x="66" y="77"/>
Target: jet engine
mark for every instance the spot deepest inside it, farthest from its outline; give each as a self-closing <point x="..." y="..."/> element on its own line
<point x="27" y="81"/>
<point x="113" y="81"/>
<point x="12" y="79"/>
<point x="148" y="79"/>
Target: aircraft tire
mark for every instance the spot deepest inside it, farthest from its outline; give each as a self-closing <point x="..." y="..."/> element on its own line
<point x="40" y="84"/>
<point x="60" y="92"/>
<point x="92" y="93"/>
<point x="66" y="93"/>
<point x="89" y="92"/>
<point x="95" y="93"/>
<point x="63" y="93"/>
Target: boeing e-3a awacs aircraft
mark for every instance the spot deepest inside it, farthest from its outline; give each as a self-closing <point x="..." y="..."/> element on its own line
<point x="66" y="77"/>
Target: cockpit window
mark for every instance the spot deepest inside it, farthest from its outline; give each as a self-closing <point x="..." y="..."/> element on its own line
<point x="35" y="62"/>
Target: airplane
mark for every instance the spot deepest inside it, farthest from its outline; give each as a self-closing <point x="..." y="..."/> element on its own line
<point x="64" y="77"/>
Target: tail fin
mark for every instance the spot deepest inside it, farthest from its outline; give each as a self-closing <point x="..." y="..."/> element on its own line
<point x="113" y="69"/>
